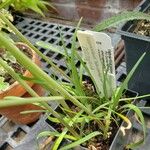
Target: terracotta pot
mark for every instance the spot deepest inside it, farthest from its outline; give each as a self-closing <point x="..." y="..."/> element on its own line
<point x="13" y="113"/>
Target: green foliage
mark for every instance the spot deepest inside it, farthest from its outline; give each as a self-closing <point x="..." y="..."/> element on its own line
<point x="2" y="71"/>
<point x="119" y="18"/>
<point x="3" y="25"/>
<point x="9" y="57"/>
<point x="88" y="113"/>
<point x="118" y="94"/>
<point x="140" y="115"/>
<point x="12" y="101"/>
<point x="37" y="6"/>
<point x="78" y="142"/>
<point x="55" y="134"/>
<point x="3" y="85"/>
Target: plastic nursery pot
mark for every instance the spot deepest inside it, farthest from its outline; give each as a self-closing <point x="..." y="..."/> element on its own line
<point x="135" y="133"/>
<point x="15" y="89"/>
<point x="135" y="46"/>
<point x="118" y="140"/>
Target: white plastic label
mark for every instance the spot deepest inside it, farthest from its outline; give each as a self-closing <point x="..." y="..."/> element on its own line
<point x="99" y="56"/>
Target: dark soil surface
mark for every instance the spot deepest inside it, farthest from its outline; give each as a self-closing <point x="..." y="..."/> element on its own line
<point x="143" y="28"/>
<point x="16" y="66"/>
<point x="98" y="142"/>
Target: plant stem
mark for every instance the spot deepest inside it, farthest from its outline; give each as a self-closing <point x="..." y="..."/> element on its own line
<point x="25" y="40"/>
<point x="65" y="130"/>
<point x="38" y="73"/>
<point x="16" y="77"/>
<point x="13" y="101"/>
<point x="34" y="94"/>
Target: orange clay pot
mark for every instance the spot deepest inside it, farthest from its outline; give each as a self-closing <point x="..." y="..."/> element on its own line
<point x="13" y="113"/>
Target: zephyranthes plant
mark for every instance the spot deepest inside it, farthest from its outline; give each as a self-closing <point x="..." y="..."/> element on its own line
<point x="89" y="109"/>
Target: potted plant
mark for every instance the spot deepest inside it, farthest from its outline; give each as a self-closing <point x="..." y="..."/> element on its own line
<point x="80" y="105"/>
<point x="136" y="36"/>
<point x="10" y="87"/>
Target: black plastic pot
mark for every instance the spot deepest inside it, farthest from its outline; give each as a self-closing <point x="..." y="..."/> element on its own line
<point x="119" y="141"/>
<point x="136" y="132"/>
<point x="135" y="46"/>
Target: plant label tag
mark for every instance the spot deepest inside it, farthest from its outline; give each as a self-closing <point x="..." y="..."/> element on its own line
<point x="99" y="56"/>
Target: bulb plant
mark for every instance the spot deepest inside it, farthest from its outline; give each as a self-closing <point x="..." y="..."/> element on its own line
<point x="83" y="114"/>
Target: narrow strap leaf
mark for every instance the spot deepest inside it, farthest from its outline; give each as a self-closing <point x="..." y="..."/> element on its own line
<point x="119" y="18"/>
<point x="13" y="101"/>
<point x="51" y="47"/>
<point x="82" y="140"/>
<point x="123" y="86"/>
<point x="64" y="132"/>
<point x="56" y="134"/>
<point x="140" y="115"/>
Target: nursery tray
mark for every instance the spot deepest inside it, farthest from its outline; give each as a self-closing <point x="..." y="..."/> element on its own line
<point x="36" y="30"/>
<point x="23" y="137"/>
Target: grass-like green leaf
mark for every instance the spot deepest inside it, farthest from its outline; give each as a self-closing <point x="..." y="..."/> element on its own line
<point x="55" y="134"/>
<point x="25" y="40"/>
<point x="55" y="49"/>
<point x="5" y="4"/>
<point x="123" y="86"/>
<point x="87" y="71"/>
<point x="101" y="107"/>
<point x="13" y="101"/>
<point x="141" y="117"/>
<point x="137" y="97"/>
<point x="64" y="132"/>
<point x="48" y="4"/>
<point x="80" y="141"/>
<point x="119" y="18"/>
<point x="33" y="111"/>
<point x="74" y="71"/>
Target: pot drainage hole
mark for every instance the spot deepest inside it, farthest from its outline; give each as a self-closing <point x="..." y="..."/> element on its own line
<point x="18" y="135"/>
<point x="6" y="146"/>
